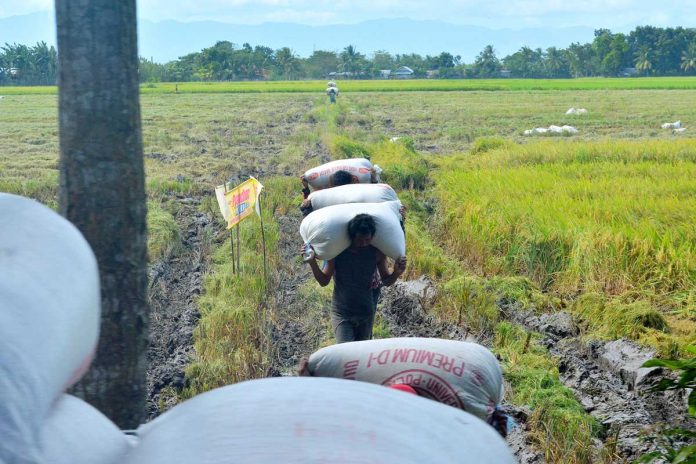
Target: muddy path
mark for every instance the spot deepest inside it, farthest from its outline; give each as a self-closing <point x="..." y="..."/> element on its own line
<point x="296" y="331"/>
<point x="607" y="379"/>
<point x="175" y="284"/>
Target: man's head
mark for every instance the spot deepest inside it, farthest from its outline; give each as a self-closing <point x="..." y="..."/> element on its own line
<point x="341" y="178"/>
<point x="361" y="229"/>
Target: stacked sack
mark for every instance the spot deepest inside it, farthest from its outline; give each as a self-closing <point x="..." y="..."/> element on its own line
<point x="49" y="326"/>
<point x="325" y="230"/>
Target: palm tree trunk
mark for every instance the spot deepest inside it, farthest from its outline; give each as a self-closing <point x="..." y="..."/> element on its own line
<point x="102" y="189"/>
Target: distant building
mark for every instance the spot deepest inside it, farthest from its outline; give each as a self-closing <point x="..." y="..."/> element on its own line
<point x="404" y="72"/>
<point x="628" y="72"/>
<point x="384" y="73"/>
<point x="505" y="73"/>
<point x="432" y="73"/>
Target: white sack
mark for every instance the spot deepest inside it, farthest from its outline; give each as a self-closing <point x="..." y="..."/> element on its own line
<point x="326" y="230"/>
<point x="671" y="125"/>
<point x="77" y="433"/>
<point x="571" y="110"/>
<point x="679" y="131"/>
<point x="308" y="420"/>
<point x="49" y="317"/>
<point x="569" y="130"/>
<point x="360" y="168"/>
<point x="352" y="193"/>
<point x="461" y="374"/>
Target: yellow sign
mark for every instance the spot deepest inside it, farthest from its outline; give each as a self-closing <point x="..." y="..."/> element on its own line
<point x="242" y="201"/>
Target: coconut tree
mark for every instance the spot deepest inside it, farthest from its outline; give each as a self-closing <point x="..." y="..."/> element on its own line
<point x="644" y="60"/>
<point x="688" y="60"/>
<point x="102" y="190"/>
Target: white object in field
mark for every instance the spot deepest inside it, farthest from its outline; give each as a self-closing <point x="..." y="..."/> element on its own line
<point x="672" y="125"/>
<point x="464" y="375"/>
<point x="576" y="111"/>
<point x="320" y="176"/>
<point x="394" y="139"/>
<point x="297" y="420"/>
<point x="49" y="317"/>
<point x="352" y="193"/>
<point x="553" y="129"/>
<point x="76" y="433"/>
<point x="679" y="130"/>
<point x="326" y="230"/>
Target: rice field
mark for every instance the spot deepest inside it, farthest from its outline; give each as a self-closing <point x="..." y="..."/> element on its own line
<point x="403" y="85"/>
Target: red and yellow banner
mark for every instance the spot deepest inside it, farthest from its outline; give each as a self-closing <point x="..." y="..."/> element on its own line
<point x="242" y="201"/>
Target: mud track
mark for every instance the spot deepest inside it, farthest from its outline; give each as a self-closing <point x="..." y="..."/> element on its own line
<point x="175" y="284"/>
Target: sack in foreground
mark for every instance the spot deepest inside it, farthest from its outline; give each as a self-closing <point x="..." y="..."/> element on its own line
<point x="309" y="420"/>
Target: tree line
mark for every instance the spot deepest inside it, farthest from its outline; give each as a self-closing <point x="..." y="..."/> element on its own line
<point x="646" y="51"/>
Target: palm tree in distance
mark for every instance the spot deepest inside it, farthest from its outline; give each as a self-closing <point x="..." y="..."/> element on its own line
<point x="643" y="63"/>
<point x="688" y="61"/>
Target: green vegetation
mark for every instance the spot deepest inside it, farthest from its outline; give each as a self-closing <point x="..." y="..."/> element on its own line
<point x="670" y="442"/>
<point x="616" y="218"/>
<point x="163" y="234"/>
<point x="231" y="341"/>
<point x="410" y="85"/>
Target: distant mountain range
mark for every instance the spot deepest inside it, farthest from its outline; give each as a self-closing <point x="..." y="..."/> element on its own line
<point x="167" y="40"/>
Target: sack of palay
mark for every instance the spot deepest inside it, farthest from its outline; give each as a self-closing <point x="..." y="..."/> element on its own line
<point x="326" y="230"/>
<point x="352" y="193"/>
<point x="361" y="169"/>
<point x="461" y="374"/>
<point x="49" y="317"/>
<point x="306" y="420"/>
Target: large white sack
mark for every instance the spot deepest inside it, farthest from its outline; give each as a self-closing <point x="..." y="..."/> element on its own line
<point x="49" y="317"/>
<point x="320" y="176"/>
<point x="77" y="433"/>
<point x="461" y="374"/>
<point x="352" y="193"/>
<point x="311" y="420"/>
<point x="326" y="230"/>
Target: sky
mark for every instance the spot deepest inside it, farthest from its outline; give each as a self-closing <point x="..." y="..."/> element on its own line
<point x="617" y="15"/>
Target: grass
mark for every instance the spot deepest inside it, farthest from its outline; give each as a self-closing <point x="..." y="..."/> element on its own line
<point x="409" y="85"/>
<point x="614" y="217"/>
<point x="232" y="342"/>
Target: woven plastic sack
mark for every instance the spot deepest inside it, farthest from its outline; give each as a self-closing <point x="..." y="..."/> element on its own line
<point x="360" y="168"/>
<point x="49" y="317"/>
<point x="326" y="230"/>
<point x="352" y="193"/>
<point x="461" y="374"/>
<point x="77" y="433"/>
<point x="307" y="420"/>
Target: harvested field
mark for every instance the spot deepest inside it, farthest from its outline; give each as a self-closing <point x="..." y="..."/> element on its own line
<point x="467" y="174"/>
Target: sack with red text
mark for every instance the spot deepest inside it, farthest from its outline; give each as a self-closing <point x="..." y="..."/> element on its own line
<point x="326" y="230"/>
<point x="76" y="433"/>
<point x="361" y="169"/>
<point x="298" y="420"/>
<point x="352" y="193"/>
<point x="49" y="317"/>
<point x="461" y="374"/>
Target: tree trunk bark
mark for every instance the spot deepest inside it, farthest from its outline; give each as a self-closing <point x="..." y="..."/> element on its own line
<point x="102" y="190"/>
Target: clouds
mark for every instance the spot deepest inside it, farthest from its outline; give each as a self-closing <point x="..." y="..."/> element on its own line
<point x="617" y="15"/>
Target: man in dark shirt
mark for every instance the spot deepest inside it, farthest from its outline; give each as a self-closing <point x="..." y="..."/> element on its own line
<point x="356" y="290"/>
